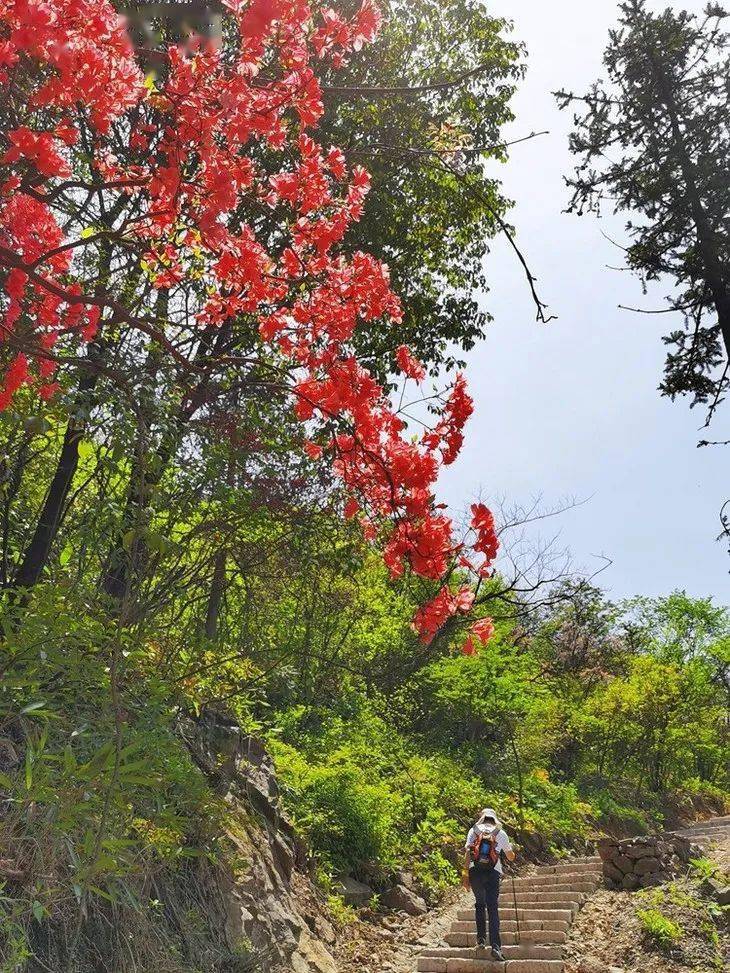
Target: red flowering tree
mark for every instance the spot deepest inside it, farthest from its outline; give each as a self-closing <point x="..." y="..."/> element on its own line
<point x="185" y="208"/>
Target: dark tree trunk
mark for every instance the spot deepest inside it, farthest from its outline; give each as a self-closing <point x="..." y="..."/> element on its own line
<point x="215" y="599"/>
<point x="35" y="556"/>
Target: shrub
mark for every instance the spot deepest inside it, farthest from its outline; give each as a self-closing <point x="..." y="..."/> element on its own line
<point x="371" y="799"/>
<point x="347" y="820"/>
<point x="659" y="928"/>
<point x="341" y="913"/>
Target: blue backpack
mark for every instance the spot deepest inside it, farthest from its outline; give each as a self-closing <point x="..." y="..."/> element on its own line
<point x="484" y="851"/>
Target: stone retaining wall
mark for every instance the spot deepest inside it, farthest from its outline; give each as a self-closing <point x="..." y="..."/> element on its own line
<point x="648" y="860"/>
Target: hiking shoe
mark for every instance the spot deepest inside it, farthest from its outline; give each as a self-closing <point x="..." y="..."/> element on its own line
<point x="481" y="944"/>
<point x="498" y="954"/>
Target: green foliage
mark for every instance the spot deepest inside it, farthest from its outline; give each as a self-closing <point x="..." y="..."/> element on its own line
<point x="432" y="210"/>
<point x="348" y="821"/>
<point x="99" y="794"/>
<point x="703" y="867"/>
<point x="622" y="816"/>
<point x="373" y="799"/>
<point x="661" y="930"/>
<point x="682" y="917"/>
<point x="428" y="849"/>
<point x="562" y="732"/>
<point x="342" y="913"/>
<point x="651" y="140"/>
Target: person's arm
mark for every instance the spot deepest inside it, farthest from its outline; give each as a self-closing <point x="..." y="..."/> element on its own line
<point x="506" y="847"/>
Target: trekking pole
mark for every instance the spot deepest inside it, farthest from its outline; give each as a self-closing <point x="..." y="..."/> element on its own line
<point x="514" y="899"/>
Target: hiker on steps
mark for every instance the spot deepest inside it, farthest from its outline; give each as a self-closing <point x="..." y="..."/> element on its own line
<point x="485" y="845"/>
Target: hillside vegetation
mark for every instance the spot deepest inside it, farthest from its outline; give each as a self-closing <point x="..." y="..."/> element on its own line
<point x="221" y="431"/>
<point x="580" y="716"/>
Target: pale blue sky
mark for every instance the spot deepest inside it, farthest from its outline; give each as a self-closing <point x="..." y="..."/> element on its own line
<point x="571" y="409"/>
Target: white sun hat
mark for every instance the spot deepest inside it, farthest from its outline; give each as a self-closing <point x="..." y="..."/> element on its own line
<point x="489" y="812"/>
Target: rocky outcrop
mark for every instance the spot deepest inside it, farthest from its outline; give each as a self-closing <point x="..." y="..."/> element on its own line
<point x="354" y="893"/>
<point x="648" y="860"/>
<point x="268" y="898"/>
<point x="402" y="899"/>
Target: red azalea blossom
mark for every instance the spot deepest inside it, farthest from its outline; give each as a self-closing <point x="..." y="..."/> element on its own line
<point x="468" y="648"/>
<point x="15" y="375"/>
<point x="37" y="148"/>
<point x="409" y="365"/>
<point x="483" y="630"/>
<point x="192" y="158"/>
<point x="487" y="543"/>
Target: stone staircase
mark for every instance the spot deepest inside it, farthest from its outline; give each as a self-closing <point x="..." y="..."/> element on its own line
<point x="547" y="902"/>
<point x="707" y="832"/>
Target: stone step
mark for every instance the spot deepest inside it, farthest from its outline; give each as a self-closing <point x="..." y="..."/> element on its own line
<point x="553" y="884"/>
<point x="467" y="961"/>
<point x="524" y="950"/>
<point x="722" y="819"/>
<point x="715" y="825"/>
<point x="698" y="833"/>
<point x="579" y="881"/>
<point x="710" y="826"/>
<point x="510" y="925"/>
<point x="540" y="937"/>
<point x="535" y="897"/>
<point x="570" y="908"/>
<point x="572" y="902"/>
<point x="559" y="878"/>
<point x="550" y="891"/>
<point x="585" y="876"/>
<point x="529" y="900"/>
<point x="507" y="913"/>
<point x="571" y="865"/>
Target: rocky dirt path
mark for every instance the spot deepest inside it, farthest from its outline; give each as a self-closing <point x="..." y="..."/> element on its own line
<point x="568" y="924"/>
<point x="536" y="913"/>
<point x="444" y="941"/>
<point x="392" y="945"/>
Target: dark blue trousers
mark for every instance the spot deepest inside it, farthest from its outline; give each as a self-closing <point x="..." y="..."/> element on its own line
<point x="485" y="886"/>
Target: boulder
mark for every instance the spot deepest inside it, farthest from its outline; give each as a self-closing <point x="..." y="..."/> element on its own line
<point x="640" y="851"/>
<point x="653" y="878"/>
<point x="607" y="848"/>
<point x="623" y="863"/>
<point x="630" y="882"/>
<point x="402" y="899"/>
<point x="716" y="890"/>
<point x="284" y="854"/>
<point x="354" y="892"/>
<point x="612" y="873"/>
<point x="645" y="865"/>
<point x="685" y="849"/>
<point x="320" y="927"/>
<point x="311" y="956"/>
